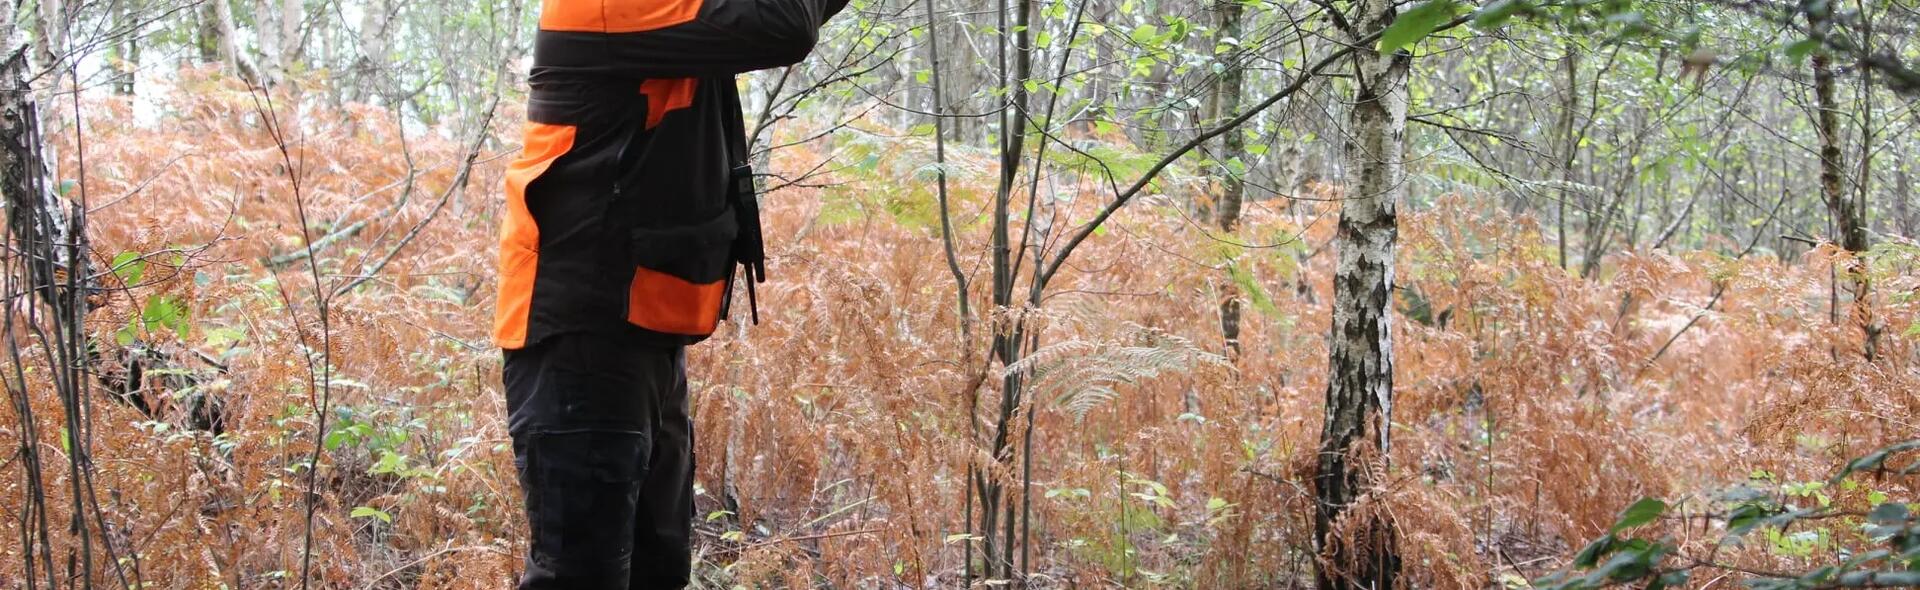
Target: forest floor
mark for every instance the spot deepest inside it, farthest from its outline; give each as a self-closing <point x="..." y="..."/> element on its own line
<point x="1531" y="405"/>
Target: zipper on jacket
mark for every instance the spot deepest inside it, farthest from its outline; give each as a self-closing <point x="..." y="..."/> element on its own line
<point x="637" y="124"/>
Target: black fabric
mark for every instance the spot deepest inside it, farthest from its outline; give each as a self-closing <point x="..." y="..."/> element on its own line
<point x="578" y="284"/>
<point x="623" y="182"/>
<point x="604" y="448"/>
<point x="727" y="37"/>
<point x="584" y="102"/>
<point x="697" y="252"/>
<point x="621" y="179"/>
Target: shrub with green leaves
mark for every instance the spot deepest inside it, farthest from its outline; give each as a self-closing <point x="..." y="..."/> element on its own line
<point x="1616" y="559"/>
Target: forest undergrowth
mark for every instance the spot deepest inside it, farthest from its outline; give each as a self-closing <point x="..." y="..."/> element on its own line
<point x="832" y="438"/>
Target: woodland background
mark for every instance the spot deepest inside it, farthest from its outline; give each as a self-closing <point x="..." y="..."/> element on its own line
<point x="1086" y="293"/>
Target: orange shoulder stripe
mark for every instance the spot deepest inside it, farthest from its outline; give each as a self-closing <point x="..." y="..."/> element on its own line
<point x="615" y="16"/>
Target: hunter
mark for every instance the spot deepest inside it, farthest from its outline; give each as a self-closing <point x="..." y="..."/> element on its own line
<point x="627" y="213"/>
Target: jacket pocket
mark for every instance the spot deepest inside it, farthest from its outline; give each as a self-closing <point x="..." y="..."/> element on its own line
<point x="680" y="275"/>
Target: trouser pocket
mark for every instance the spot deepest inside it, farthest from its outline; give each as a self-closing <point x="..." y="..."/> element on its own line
<point x="602" y="443"/>
<point x="581" y="413"/>
<point x="583" y="490"/>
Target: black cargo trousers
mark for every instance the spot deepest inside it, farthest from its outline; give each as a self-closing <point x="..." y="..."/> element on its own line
<point x="604" y="449"/>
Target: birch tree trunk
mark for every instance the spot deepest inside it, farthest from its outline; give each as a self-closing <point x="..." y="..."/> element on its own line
<point x="224" y="44"/>
<point x="36" y="216"/>
<point x="370" y="69"/>
<point x="31" y="228"/>
<point x="266" y="33"/>
<point x="291" y="46"/>
<point x="1360" y="381"/>
<point x="53" y="21"/>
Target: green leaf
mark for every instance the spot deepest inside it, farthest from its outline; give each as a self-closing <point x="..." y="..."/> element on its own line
<point x="369" y="511"/>
<point x="1743" y="518"/>
<point x="1630" y="564"/>
<point x="336" y="439"/>
<point x="1673" y="579"/>
<point x="1497" y="13"/>
<point x="1875" y="460"/>
<point x="1799" y="50"/>
<point x="129" y="267"/>
<point x="164" y="312"/>
<point x="1251" y="287"/>
<point x="1880" y="579"/>
<point x="1642" y="512"/>
<point x="389" y="463"/>
<point x="1144" y="34"/>
<point x="1591" y="554"/>
<point x="1416" y="24"/>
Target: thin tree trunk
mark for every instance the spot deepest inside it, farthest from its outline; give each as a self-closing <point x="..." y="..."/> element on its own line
<point x="206" y="34"/>
<point x="1233" y="186"/>
<point x="963" y="77"/>
<point x="997" y="515"/>
<point x="369" y="70"/>
<point x="1903" y="215"/>
<point x="1869" y="325"/>
<point x="1840" y="204"/>
<point x="1360" y="380"/>
<point x="937" y="108"/>
<point x="124" y="55"/>
<point x="1569" y="145"/>
<point x="224" y="48"/>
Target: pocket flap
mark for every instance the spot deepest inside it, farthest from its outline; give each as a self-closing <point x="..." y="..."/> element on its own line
<point x="697" y="252"/>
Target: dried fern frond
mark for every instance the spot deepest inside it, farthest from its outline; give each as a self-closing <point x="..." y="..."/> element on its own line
<point x="1080" y="375"/>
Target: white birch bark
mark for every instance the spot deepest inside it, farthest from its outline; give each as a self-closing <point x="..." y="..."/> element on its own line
<point x="1360" y="380"/>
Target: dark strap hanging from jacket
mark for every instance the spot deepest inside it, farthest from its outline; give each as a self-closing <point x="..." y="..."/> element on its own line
<point x="748" y="248"/>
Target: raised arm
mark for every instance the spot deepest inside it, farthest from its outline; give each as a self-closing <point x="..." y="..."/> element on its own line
<point x="675" y="38"/>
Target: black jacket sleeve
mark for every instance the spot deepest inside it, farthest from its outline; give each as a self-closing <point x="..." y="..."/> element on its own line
<point x="726" y="37"/>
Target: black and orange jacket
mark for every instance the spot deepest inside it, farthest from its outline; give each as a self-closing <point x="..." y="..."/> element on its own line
<point x="620" y="216"/>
